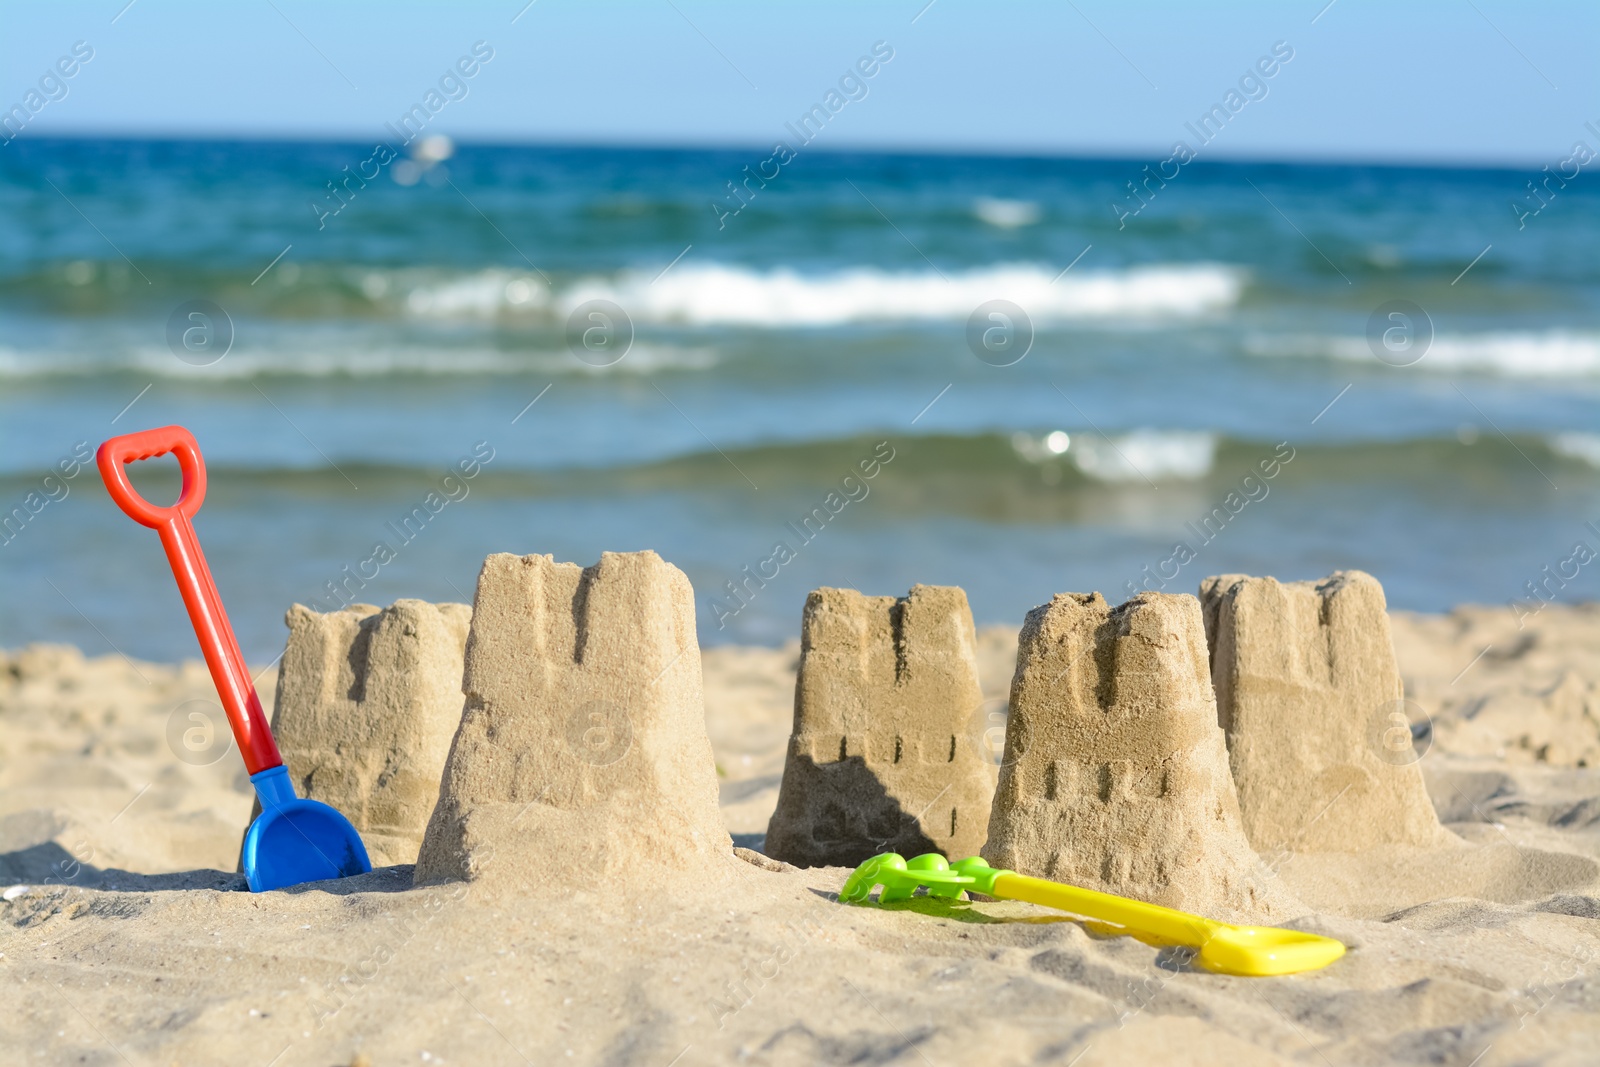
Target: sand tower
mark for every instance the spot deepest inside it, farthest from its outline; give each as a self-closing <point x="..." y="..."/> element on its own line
<point x="1115" y="774"/>
<point x="1309" y="695"/>
<point x="582" y="756"/>
<point x="885" y="755"/>
<point x="368" y="701"/>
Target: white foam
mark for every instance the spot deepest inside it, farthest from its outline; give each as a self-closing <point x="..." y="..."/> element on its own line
<point x="14" y="364"/>
<point x="1145" y="455"/>
<point x="324" y="361"/>
<point x="1552" y="354"/>
<point x="1006" y="214"/>
<point x="484" y="294"/>
<point x="647" y="359"/>
<point x="716" y="294"/>
<point x="1574" y="445"/>
<point x="1511" y="354"/>
<point x="1043" y="447"/>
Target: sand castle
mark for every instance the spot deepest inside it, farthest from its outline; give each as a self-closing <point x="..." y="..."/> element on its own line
<point x="582" y="756"/>
<point x="1116" y="775"/>
<point x="368" y="701"/>
<point x="885" y="754"/>
<point x="1308" y="693"/>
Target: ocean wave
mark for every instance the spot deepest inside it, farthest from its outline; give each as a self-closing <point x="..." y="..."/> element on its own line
<point x="1146" y="455"/>
<point x="1036" y="466"/>
<point x="488" y="293"/>
<point x="1140" y="456"/>
<point x="1510" y="354"/>
<point x="717" y="294"/>
<point x="1126" y="460"/>
<point x="689" y="292"/>
<point x="326" y="361"/>
<point x="1580" y="446"/>
<point x="1006" y="214"/>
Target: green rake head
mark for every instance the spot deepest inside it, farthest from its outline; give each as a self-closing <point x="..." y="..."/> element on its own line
<point x="900" y="878"/>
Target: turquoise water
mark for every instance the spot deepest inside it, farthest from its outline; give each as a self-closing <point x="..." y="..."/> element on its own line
<point x="378" y="335"/>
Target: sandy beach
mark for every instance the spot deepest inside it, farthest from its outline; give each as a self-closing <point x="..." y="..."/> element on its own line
<point x="128" y="938"/>
<point x="905" y="535"/>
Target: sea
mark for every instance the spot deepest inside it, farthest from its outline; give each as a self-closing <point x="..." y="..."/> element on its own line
<point x="1022" y="376"/>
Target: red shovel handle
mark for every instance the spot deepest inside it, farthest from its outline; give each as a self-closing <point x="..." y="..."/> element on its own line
<point x="117" y="453"/>
<point x="200" y="595"/>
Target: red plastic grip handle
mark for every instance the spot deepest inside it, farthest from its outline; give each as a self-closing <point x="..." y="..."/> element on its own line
<point x="114" y="456"/>
<point x="200" y="596"/>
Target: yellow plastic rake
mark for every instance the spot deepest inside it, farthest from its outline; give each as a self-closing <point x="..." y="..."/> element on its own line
<point x="1250" y="951"/>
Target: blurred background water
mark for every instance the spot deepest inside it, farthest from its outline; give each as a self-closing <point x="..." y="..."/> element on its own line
<point x="370" y="349"/>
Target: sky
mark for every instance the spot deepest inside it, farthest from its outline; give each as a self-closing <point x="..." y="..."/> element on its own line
<point x="1468" y="81"/>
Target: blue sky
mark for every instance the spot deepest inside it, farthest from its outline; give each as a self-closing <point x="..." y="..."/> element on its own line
<point x="1462" y="81"/>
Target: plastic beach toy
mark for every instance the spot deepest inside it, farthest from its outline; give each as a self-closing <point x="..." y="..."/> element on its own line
<point x="292" y="840"/>
<point x="1251" y="951"/>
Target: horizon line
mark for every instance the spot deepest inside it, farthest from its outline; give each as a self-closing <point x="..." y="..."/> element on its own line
<point x="1106" y="154"/>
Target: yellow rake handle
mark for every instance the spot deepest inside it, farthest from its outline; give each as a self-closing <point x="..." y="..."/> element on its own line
<point x="1253" y="951"/>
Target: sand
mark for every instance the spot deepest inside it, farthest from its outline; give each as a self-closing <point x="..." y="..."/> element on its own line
<point x="1115" y="774"/>
<point x="128" y="939"/>
<point x="1310" y="698"/>
<point x="367" y="703"/>
<point x="887" y="752"/>
<point x="581" y="761"/>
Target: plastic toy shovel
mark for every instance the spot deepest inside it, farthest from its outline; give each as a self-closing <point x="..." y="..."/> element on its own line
<point x="292" y="840"/>
<point x="1251" y="951"/>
